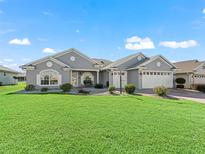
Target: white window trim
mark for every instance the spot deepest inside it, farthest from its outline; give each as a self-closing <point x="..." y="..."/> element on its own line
<point x="38" y="78"/>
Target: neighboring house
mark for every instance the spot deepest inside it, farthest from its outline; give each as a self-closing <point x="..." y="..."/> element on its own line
<point x="193" y="71"/>
<point x="7" y="76"/>
<point x="21" y="77"/>
<point x="76" y="68"/>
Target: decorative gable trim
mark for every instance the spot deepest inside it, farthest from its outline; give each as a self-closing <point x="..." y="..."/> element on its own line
<point x="44" y="60"/>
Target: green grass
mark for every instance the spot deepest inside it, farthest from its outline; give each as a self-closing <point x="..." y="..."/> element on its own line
<point x="57" y="123"/>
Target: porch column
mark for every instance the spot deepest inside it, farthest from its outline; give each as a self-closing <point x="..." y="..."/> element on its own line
<point x="71" y="76"/>
<point x="97" y="77"/>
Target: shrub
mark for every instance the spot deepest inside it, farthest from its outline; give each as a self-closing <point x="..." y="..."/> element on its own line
<point x="66" y="87"/>
<point x="1" y="83"/>
<point x="111" y="89"/>
<point x="82" y="91"/>
<point x="181" y="86"/>
<point x="201" y="88"/>
<point x="130" y="88"/>
<point x="44" y="89"/>
<point x="30" y="87"/>
<point x="180" y="80"/>
<point x="161" y="91"/>
<point x="98" y="86"/>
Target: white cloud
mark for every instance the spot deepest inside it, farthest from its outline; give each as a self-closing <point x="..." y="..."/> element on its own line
<point x="137" y="43"/>
<point x="49" y="50"/>
<point x="8" y="60"/>
<point x="24" y="41"/>
<point x="175" y="45"/>
<point x="203" y="11"/>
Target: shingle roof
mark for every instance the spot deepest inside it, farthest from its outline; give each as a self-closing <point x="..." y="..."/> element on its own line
<point x="6" y="69"/>
<point x="122" y="60"/>
<point x="187" y="66"/>
<point x="104" y="62"/>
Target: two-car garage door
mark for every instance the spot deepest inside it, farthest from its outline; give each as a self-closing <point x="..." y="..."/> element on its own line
<point x="151" y="79"/>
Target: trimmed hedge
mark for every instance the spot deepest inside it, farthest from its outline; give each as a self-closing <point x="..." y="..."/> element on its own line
<point x="30" y="87"/>
<point x="160" y="91"/>
<point x="44" y="89"/>
<point x="66" y="87"/>
<point x="130" y="88"/>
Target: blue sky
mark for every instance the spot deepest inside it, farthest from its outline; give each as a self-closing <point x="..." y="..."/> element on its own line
<point x="111" y="29"/>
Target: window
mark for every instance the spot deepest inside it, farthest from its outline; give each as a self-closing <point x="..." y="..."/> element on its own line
<point x="49" y="77"/>
<point x="4" y="73"/>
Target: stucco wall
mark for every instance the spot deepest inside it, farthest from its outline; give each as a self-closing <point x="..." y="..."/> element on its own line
<point x="163" y="67"/>
<point x="32" y="74"/>
<point x="79" y="63"/>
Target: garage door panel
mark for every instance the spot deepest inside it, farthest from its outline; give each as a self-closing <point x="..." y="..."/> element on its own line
<point x="154" y="80"/>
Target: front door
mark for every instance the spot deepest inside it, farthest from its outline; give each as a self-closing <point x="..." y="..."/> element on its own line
<point x="75" y="79"/>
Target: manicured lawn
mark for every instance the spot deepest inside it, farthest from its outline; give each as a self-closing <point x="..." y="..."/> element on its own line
<point x="99" y="124"/>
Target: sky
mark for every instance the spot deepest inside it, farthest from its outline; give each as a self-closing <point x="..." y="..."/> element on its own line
<point x="109" y="29"/>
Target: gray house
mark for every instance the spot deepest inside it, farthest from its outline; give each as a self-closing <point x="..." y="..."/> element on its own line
<point x="193" y="71"/>
<point x="76" y="68"/>
<point x="7" y="76"/>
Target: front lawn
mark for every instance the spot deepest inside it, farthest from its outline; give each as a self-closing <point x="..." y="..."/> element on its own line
<point x="57" y="123"/>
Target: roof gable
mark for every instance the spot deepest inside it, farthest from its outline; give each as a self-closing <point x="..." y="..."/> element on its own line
<point x="122" y="61"/>
<point x="56" y="56"/>
<point x="188" y="66"/>
<point x="161" y="57"/>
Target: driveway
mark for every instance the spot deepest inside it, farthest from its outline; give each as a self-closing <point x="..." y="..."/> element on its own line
<point x="179" y="93"/>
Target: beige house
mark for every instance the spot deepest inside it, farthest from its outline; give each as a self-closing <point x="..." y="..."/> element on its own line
<point x="193" y="71"/>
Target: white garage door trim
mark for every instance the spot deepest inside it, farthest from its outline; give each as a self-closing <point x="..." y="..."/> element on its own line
<point x="151" y="79"/>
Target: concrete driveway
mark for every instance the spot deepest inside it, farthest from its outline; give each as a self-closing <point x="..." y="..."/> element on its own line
<point x="179" y="93"/>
